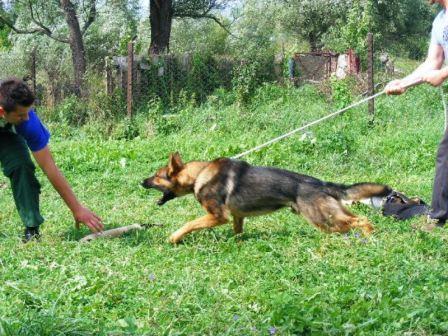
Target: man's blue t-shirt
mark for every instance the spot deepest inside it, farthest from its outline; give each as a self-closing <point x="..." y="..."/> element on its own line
<point x="34" y="132"/>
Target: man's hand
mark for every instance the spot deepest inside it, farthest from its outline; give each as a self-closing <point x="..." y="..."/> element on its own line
<point x="81" y="214"/>
<point x="395" y="87"/>
<point x="87" y="217"/>
<point x="435" y="77"/>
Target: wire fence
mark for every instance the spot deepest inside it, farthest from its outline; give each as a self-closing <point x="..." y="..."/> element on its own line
<point x="192" y="76"/>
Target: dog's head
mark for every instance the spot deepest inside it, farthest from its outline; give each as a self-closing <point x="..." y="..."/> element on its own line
<point x="172" y="180"/>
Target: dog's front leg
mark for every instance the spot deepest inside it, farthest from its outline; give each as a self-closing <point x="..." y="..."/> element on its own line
<point x="238" y="224"/>
<point x="207" y="221"/>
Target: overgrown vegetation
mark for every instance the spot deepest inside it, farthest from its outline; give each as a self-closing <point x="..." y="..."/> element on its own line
<point x="281" y="277"/>
<point x="252" y="34"/>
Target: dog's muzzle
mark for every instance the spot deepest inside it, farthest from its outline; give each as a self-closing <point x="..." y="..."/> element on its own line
<point x="167" y="194"/>
<point x="148" y="183"/>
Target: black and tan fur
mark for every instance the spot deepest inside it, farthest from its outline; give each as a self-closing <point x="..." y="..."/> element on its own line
<point x="227" y="187"/>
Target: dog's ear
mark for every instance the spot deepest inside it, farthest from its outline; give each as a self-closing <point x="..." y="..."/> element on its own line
<point x="175" y="164"/>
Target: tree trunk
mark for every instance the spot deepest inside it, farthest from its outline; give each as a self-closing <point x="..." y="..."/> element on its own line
<point x="161" y="17"/>
<point x="76" y="45"/>
<point x="312" y="39"/>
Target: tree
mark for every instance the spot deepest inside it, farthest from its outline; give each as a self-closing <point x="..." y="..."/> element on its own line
<point x="397" y="25"/>
<point x="403" y="23"/>
<point x="200" y="36"/>
<point x="44" y="17"/>
<point x="162" y="13"/>
<point x="4" y="32"/>
<point x="311" y="19"/>
<point x="341" y="24"/>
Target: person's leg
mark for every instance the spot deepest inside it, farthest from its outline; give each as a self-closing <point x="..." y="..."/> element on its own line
<point x="18" y="167"/>
<point x="439" y="204"/>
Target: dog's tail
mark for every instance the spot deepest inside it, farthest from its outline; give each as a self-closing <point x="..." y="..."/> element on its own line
<point x="359" y="191"/>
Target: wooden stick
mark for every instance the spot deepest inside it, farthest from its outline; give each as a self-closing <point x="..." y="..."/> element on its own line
<point x="112" y="233"/>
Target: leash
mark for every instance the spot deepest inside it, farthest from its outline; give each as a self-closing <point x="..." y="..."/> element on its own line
<point x="418" y="81"/>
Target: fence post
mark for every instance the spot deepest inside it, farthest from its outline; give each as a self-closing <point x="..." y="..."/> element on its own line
<point x="138" y="81"/>
<point x="130" y="78"/>
<point x="109" y="79"/>
<point x="370" y="82"/>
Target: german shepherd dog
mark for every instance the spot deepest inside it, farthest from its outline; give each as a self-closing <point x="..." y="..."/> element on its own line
<point x="227" y="187"/>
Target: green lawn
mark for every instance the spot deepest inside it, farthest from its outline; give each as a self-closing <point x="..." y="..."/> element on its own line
<point x="280" y="277"/>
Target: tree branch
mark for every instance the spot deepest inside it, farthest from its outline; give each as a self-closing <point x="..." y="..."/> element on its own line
<point x="43" y="29"/>
<point x="206" y="16"/>
<point x="17" y="30"/>
<point x="90" y="18"/>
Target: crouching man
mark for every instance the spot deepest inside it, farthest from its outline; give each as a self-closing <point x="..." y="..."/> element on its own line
<point x="21" y="131"/>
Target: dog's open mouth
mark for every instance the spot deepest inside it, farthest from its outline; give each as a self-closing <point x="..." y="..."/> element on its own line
<point x="167" y="196"/>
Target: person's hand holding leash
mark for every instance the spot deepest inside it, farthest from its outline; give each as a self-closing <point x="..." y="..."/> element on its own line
<point x="399" y="86"/>
<point x="395" y="87"/>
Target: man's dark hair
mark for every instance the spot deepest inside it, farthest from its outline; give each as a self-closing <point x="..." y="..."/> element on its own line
<point x="14" y="92"/>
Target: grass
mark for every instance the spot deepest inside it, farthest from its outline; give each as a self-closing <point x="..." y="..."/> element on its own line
<point x="280" y="277"/>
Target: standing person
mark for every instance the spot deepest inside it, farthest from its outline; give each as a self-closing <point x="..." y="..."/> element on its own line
<point x="20" y="130"/>
<point x="433" y="71"/>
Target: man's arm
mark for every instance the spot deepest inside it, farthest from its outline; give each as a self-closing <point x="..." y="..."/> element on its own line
<point x="430" y="71"/>
<point x="81" y="214"/>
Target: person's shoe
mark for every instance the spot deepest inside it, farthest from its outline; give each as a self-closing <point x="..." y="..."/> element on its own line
<point x="431" y="224"/>
<point x="31" y="233"/>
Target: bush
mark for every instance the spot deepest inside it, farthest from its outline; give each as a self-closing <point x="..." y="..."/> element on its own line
<point x="340" y="92"/>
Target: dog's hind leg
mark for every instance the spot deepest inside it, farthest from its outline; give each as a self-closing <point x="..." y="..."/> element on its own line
<point x="312" y="213"/>
<point x="342" y="220"/>
<point x="364" y="224"/>
<point x="329" y="215"/>
<point x="238" y="224"/>
<point x="207" y="221"/>
<point x="356" y="221"/>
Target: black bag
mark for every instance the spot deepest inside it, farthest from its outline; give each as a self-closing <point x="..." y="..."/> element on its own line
<point x="402" y="207"/>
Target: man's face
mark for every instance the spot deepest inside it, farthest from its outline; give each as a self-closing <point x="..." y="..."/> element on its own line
<point x="18" y="116"/>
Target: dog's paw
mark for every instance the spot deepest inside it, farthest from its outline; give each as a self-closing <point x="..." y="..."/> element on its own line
<point x="176" y="237"/>
<point x="366" y="227"/>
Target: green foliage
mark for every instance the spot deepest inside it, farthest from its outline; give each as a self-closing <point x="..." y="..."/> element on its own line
<point x="396" y="25"/>
<point x="125" y="129"/>
<point x="194" y="8"/>
<point x="5" y="44"/>
<point x="403" y="25"/>
<point x="311" y="20"/>
<point x="340" y="92"/>
<point x="99" y="107"/>
<point x="245" y="81"/>
<point x="415" y="47"/>
<point x="72" y="111"/>
<point x="203" y="77"/>
<point x="164" y="124"/>
<point x="175" y="85"/>
<point x="351" y="33"/>
<point x="198" y="36"/>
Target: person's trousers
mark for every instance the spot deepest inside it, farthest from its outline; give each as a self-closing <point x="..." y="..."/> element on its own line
<point x="440" y="191"/>
<point x="17" y="166"/>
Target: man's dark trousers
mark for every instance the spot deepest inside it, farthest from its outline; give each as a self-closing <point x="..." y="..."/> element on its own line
<point x="17" y="166"/>
<point x="440" y="190"/>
